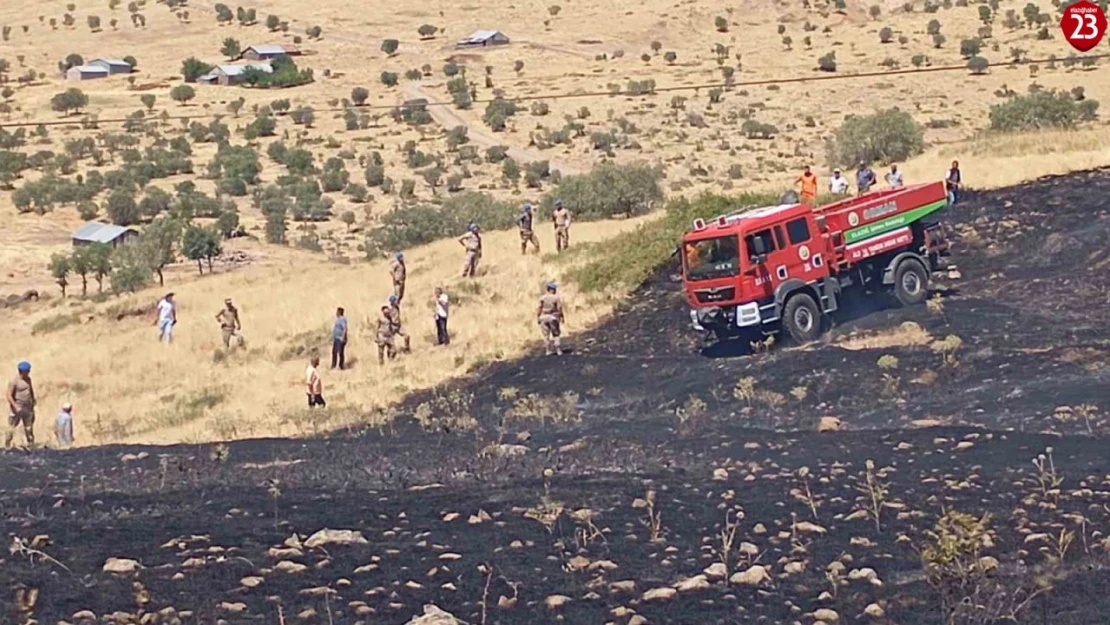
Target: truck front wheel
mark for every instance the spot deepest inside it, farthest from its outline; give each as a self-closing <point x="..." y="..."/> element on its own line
<point x="911" y="282"/>
<point x="802" y="318"/>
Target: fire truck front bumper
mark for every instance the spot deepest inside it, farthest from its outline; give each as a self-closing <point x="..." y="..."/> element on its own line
<point x="724" y="318"/>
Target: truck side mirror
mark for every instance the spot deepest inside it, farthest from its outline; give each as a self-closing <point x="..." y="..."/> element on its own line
<point x="759" y="246"/>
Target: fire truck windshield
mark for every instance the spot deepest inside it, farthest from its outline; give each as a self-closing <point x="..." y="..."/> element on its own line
<point x="712" y="258"/>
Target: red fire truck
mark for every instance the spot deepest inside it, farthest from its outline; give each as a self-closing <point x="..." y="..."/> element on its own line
<point x="756" y="272"/>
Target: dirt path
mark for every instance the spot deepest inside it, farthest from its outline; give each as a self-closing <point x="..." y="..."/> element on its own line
<point x="448" y="118"/>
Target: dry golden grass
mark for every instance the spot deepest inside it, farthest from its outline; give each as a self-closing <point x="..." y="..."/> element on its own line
<point x="905" y="335"/>
<point x="117" y="372"/>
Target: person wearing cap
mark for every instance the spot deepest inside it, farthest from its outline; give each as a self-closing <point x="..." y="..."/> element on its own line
<point x="399" y="273"/>
<point x="395" y="315"/>
<point x="549" y="316"/>
<point x="865" y="178"/>
<point x="526" y="234"/>
<point x="21" y="405"/>
<point x="385" y="334"/>
<point x="894" y="178"/>
<point x="561" y="217"/>
<point x="63" y="426"/>
<point x="808" y="180"/>
<point x="838" y="184"/>
<point x="314" y="386"/>
<point x="472" y="241"/>
<point x="166" y="318"/>
<point x="339" y="340"/>
<point x="228" y="317"/>
<point x="442" y="306"/>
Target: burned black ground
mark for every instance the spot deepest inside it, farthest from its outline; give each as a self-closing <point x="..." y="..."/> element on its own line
<point x="1032" y="314"/>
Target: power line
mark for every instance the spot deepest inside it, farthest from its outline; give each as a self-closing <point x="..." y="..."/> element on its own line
<point x="594" y="94"/>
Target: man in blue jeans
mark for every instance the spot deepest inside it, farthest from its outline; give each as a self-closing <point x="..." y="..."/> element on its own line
<point x="953" y="182"/>
<point x="339" y="340"/>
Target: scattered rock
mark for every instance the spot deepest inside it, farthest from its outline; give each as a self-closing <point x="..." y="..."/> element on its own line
<point x="234" y="608"/>
<point x="433" y="615"/>
<point x="794" y="568"/>
<point x="698" y="582"/>
<point x="720" y="474"/>
<point x="603" y="565"/>
<point x="626" y="585"/>
<point x="505" y="602"/>
<point x="828" y="424"/>
<point x="809" y="528"/>
<point x="288" y="566"/>
<point x="577" y="563"/>
<point x="503" y="450"/>
<point x="964" y="445"/>
<point x="827" y="615"/>
<point x="251" y="582"/>
<point x="874" y="611"/>
<point x="451" y="516"/>
<point x="335" y="537"/>
<point x="134" y="457"/>
<point x="662" y="594"/>
<point x="121" y="565"/>
<point x="577" y="445"/>
<point x="554" y="602"/>
<point x="749" y="549"/>
<point x="754" y="576"/>
<point x="637" y="620"/>
<point x="450" y="557"/>
<point x="716" y="571"/>
<point x="759" y="529"/>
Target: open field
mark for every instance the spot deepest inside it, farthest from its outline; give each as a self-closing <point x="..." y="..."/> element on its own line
<point x="637" y="481"/>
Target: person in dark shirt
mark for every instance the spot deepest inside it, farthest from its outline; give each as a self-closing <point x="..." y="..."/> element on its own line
<point x="954" y="183"/>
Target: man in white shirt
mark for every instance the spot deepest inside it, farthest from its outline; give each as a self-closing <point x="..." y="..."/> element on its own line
<point x="442" y="306"/>
<point x="838" y="185"/>
<point x="894" y="178"/>
<point x="314" y="386"/>
<point x="167" y="318"/>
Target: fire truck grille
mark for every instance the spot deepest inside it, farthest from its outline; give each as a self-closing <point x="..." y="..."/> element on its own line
<point x="708" y="296"/>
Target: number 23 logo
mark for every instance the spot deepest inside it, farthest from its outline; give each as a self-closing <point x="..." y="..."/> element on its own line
<point x="1083" y="24"/>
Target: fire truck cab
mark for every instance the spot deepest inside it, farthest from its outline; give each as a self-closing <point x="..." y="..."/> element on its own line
<point x="786" y="267"/>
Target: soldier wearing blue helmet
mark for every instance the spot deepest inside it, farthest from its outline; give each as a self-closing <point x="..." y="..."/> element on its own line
<point x="399" y="273"/>
<point x="526" y="234"/>
<point x="21" y="406"/>
<point x="561" y="217"/>
<point x="549" y="316"/>
<point x="472" y="241"/>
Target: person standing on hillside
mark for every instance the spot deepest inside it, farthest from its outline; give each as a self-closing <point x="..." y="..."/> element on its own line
<point x="339" y="340"/>
<point x="894" y="178"/>
<point x="838" y="184"/>
<point x="399" y="273"/>
<point x="21" y="405"/>
<point x="230" y="325"/>
<point x="808" y="181"/>
<point x="549" y="316"/>
<point x="385" y="335"/>
<point x="561" y="217"/>
<point x="865" y="178"/>
<point x="954" y="183"/>
<point x="472" y="241"/>
<point x="63" y="426"/>
<point x="166" y="318"/>
<point x="527" y="235"/>
<point x="314" y="386"/>
<point x="442" y="307"/>
<point x="395" y="315"/>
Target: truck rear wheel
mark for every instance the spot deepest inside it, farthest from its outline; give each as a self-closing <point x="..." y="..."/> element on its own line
<point x="911" y="282"/>
<point x="802" y="318"/>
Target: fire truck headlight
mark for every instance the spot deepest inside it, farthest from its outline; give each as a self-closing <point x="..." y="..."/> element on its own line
<point x="695" y="321"/>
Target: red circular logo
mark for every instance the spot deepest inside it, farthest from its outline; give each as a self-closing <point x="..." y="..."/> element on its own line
<point x="1083" y="24"/>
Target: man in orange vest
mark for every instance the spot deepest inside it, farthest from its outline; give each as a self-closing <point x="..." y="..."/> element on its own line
<point x="809" y="187"/>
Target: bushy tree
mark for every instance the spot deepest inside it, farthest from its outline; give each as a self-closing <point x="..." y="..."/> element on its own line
<point x="427" y="31"/>
<point x="884" y="137"/>
<point x="827" y="63"/>
<point x="148" y="100"/>
<point x="60" y="268"/>
<point x="98" y="257"/>
<point x="228" y="222"/>
<point x="155" y="202"/>
<point x="69" y="100"/>
<point x="193" y="68"/>
<point x="389" y="79"/>
<point x="159" y="242"/>
<point x="970" y="47"/>
<point x="1042" y="109"/>
<point x="230" y="48"/>
<point x="182" y="94"/>
<point x="389" y="46"/>
<point x="122" y="209"/>
<point x="721" y="24"/>
<point x="978" y="65"/>
<point x="273" y="22"/>
<point x="359" y="96"/>
<point x="886" y="35"/>
<point x="201" y="244"/>
<point x="610" y="190"/>
<point x="130" y="269"/>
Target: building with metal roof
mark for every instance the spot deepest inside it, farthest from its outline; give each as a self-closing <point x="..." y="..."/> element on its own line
<point x="232" y="74"/>
<point x="86" y="72"/>
<point x="97" y="232"/>
<point x="484" y="38"/>
<point x="264" y="52"/>
<point x="114" y="66"/>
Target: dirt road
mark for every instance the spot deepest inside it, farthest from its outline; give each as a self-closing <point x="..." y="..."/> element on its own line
<point x="445" y="116"/>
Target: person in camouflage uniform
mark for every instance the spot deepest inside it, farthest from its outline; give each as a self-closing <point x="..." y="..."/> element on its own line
<point x="472" y="241"/>
<point x="385" y="334"/>
<point x="527" y="235"/>
<point x="230" y="325"/>
<point x="549" y="316"/>
<point x="399" y="273"/>
<point x="395" y="314"/>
